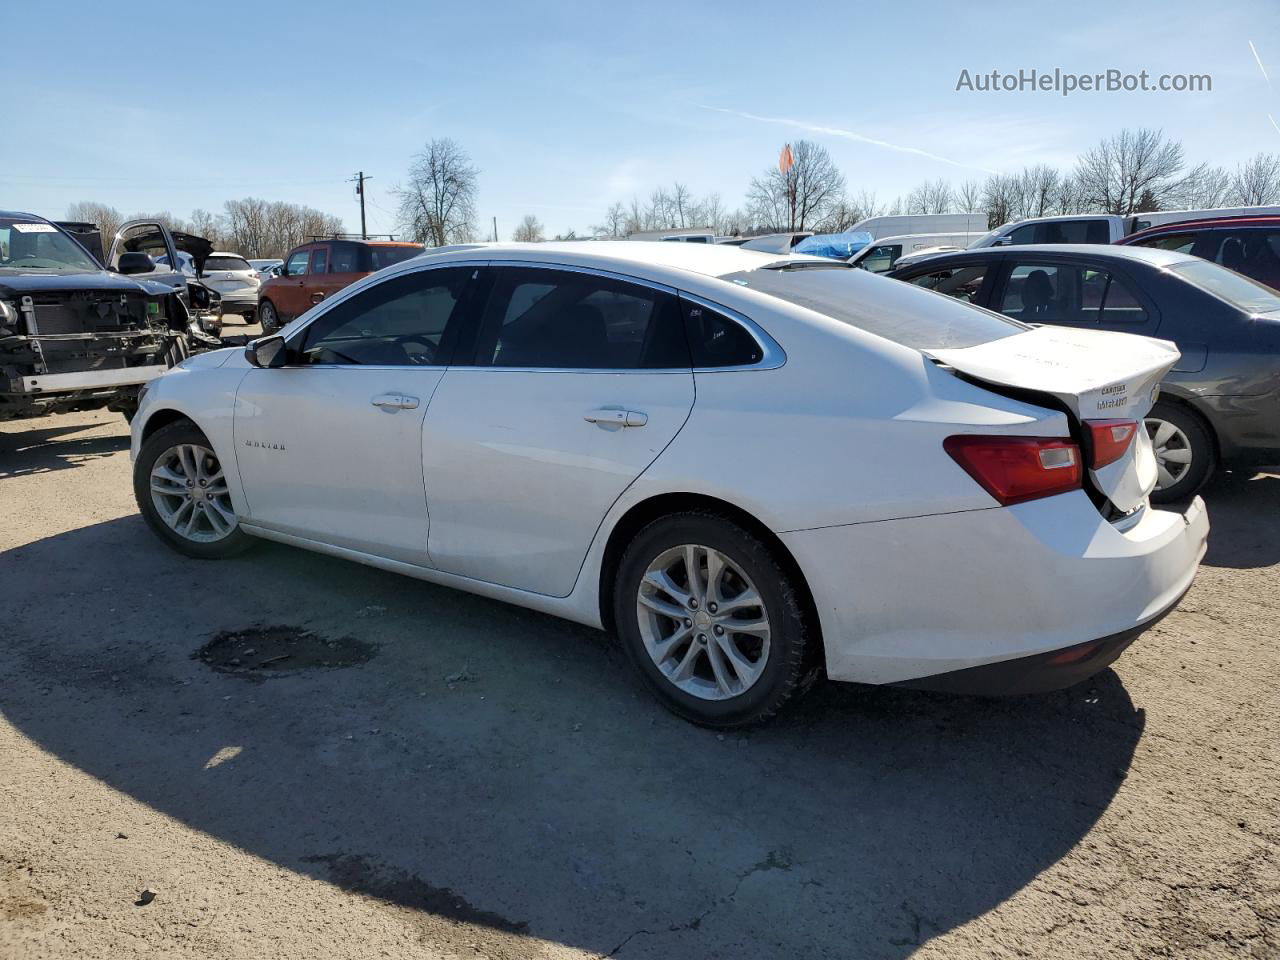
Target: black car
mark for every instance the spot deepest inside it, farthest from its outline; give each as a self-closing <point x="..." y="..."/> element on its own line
<point x="1219" y="405"/>
<point x="76" y="336"/>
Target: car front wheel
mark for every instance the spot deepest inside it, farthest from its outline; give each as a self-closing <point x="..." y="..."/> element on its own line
<point x="712" y="620"/>
<point x="1184" y="452"/>
<point x="182" y="492"/>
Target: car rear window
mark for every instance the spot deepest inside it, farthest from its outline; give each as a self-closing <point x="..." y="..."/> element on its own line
<point x="1238" y="290"/>
<point x="386" y="256"/>
<point x="226" y="263"/>
<point x="897" y="311"/>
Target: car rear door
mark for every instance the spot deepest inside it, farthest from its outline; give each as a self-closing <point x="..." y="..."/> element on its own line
<point x="329" y="447"/>
<point x="580" y="379"/>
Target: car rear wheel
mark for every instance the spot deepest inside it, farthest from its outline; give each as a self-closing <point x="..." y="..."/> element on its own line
<point x="268" y="317"/>
<point x="182" y="492"/>
<point x="712" y="620"/>
<point x="1184" y="452"/>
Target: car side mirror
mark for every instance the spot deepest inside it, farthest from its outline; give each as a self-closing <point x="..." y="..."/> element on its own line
<point x="267" y="352"/>
<point x="134" y="263"/>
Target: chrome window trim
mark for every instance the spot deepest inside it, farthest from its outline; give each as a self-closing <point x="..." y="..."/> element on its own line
<point x="772" y="356"/>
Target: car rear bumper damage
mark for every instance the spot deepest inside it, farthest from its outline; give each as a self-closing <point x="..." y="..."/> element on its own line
<point x="1009" y="589"/>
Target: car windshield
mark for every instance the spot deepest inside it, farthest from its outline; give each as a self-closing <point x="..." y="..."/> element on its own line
<point x="386" y="256"/>
<point x="226" y="263"/>
<point x="1238" y="290"/>
<point x="897" y="311"/>
<point x="33" y="246"/>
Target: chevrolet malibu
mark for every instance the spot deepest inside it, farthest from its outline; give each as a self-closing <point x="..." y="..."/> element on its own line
<point x="753" y="469"/>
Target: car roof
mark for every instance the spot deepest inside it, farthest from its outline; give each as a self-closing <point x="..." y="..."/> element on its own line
<point x="227" y="253"/>
<point x="1082" y="251"/>
<point x="705" y="259"/>
<point x="1205" y="223"/>
<point x="18" y="214"/>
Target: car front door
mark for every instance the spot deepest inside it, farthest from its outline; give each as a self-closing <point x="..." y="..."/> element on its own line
<point x="151" y="238"/>
<point x="288" y="292"/>
<point x="329" y="446"/>
<point x="316" y="282"/>
<point x="580" y="380"/>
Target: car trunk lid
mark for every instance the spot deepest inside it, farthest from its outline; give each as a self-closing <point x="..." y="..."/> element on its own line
<point x="1096" y="376"/>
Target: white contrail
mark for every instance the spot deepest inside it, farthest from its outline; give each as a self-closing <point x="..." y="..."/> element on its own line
<point x="1273" y="122"/>
<point x="846" y="135"/>
<point x="1265" y="76"/>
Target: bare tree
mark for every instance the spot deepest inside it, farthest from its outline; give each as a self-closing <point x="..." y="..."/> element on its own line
<point x="107" y="218"/>
<point x="437" y="206"/>
<point x="1038" y="189"/>
<point x="615" y="222"/>
<point x="1068" y="196"/>
<point x="1000" y="197"/>
<point x="932" y="196"/>
<point x="208" y="225"/>
<point x="1203" y="187"/>
<point x="968" y="197"/>
<point x="1115" y="173"/>
<point x="1257" y="181"/>
<point x="259" y="228"/>
<point x="529" y="230"/>
<point x="803" y="196"/>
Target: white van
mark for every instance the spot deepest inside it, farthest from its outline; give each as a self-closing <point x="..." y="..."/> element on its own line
<point x="880" y="256"/>
<point x="1102" y="227"/>
<point x="897" y="226"/>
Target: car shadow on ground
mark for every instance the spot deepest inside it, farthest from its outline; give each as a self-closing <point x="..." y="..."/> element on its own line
<point x="500" y="770"/>
<point x="45" y="449"/>
<point x="1242" y="513"/>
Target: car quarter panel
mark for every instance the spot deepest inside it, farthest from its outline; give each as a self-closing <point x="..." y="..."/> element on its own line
<point x="906" y="599"/>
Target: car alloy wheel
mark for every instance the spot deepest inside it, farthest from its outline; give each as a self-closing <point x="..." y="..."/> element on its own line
<point x="1172" y="448"/>
<point x="189" y="492"/>
<point x="268" y="318"/>
<point x="703" y="622"/>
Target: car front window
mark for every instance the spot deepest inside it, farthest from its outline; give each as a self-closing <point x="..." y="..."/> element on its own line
<point x="30" y="246"/>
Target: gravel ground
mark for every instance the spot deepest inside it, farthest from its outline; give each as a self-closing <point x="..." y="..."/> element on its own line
<point x="403" y="770"/>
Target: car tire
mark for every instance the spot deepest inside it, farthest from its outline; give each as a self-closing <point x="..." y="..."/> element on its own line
<point x="1184" y="451"/>
<point x="269" y="318"/>
<point x="195" y="518"/>
<point x="684" y="643"/>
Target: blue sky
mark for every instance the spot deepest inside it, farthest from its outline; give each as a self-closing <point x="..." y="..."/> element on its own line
<point x="566" y="107"/>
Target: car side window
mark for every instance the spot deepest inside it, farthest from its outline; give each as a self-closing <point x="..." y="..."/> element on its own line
<point x="297" y="265"/>
<point x="1033" y="294"/>
<point x="716" y="340"/>
<point x="1178" y="242"/>
<point x="1023" y="235"/>
<point x="963" y="283"/>
<point x="320" y="260"/>
<point x="1119" y="305"/>
<point x="881" y="258"/>
<point x="400" y="322"/>
<point x="345" y="258"/>
<point x="564" y="319"/>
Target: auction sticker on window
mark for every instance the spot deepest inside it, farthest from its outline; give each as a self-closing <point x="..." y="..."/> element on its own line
<point x="34" y="227"/>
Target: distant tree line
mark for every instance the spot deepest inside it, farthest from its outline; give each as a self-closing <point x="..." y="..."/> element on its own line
<point x="1133" y="171"/>
<point x="251" y="227"/>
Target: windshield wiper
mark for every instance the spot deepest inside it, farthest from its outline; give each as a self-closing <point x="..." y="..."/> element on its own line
<point x="808" y="265"/>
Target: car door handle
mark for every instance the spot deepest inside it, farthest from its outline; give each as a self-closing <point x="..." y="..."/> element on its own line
<point x="620" y="418"/>
<point x="317" y="297"/>
<point x="395" y="401"/>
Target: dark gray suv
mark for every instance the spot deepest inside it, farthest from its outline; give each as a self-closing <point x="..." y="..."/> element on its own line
<point x="1219" y="405"/>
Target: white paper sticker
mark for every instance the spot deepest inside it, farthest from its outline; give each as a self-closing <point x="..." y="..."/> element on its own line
<point x="35" y="227"/>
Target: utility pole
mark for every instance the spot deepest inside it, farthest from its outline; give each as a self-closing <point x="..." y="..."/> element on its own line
<point x="359" y="180"/>
<point x="495" y="229"/>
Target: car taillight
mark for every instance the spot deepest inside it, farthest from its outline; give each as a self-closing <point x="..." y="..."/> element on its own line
<point x="1109" y="440"/>
<point x="1016" y="469"/>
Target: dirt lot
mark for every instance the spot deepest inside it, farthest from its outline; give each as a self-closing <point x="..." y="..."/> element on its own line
<point x="397" y="770"/>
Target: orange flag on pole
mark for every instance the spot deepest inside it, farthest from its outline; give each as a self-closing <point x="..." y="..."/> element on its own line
<point x="786" y="159"/>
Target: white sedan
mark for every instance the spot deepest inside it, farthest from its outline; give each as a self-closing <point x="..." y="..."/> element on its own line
<point x="753" y="469"/>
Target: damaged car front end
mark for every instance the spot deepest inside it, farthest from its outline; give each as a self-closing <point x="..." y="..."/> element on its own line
<point x="74" y="336"/>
